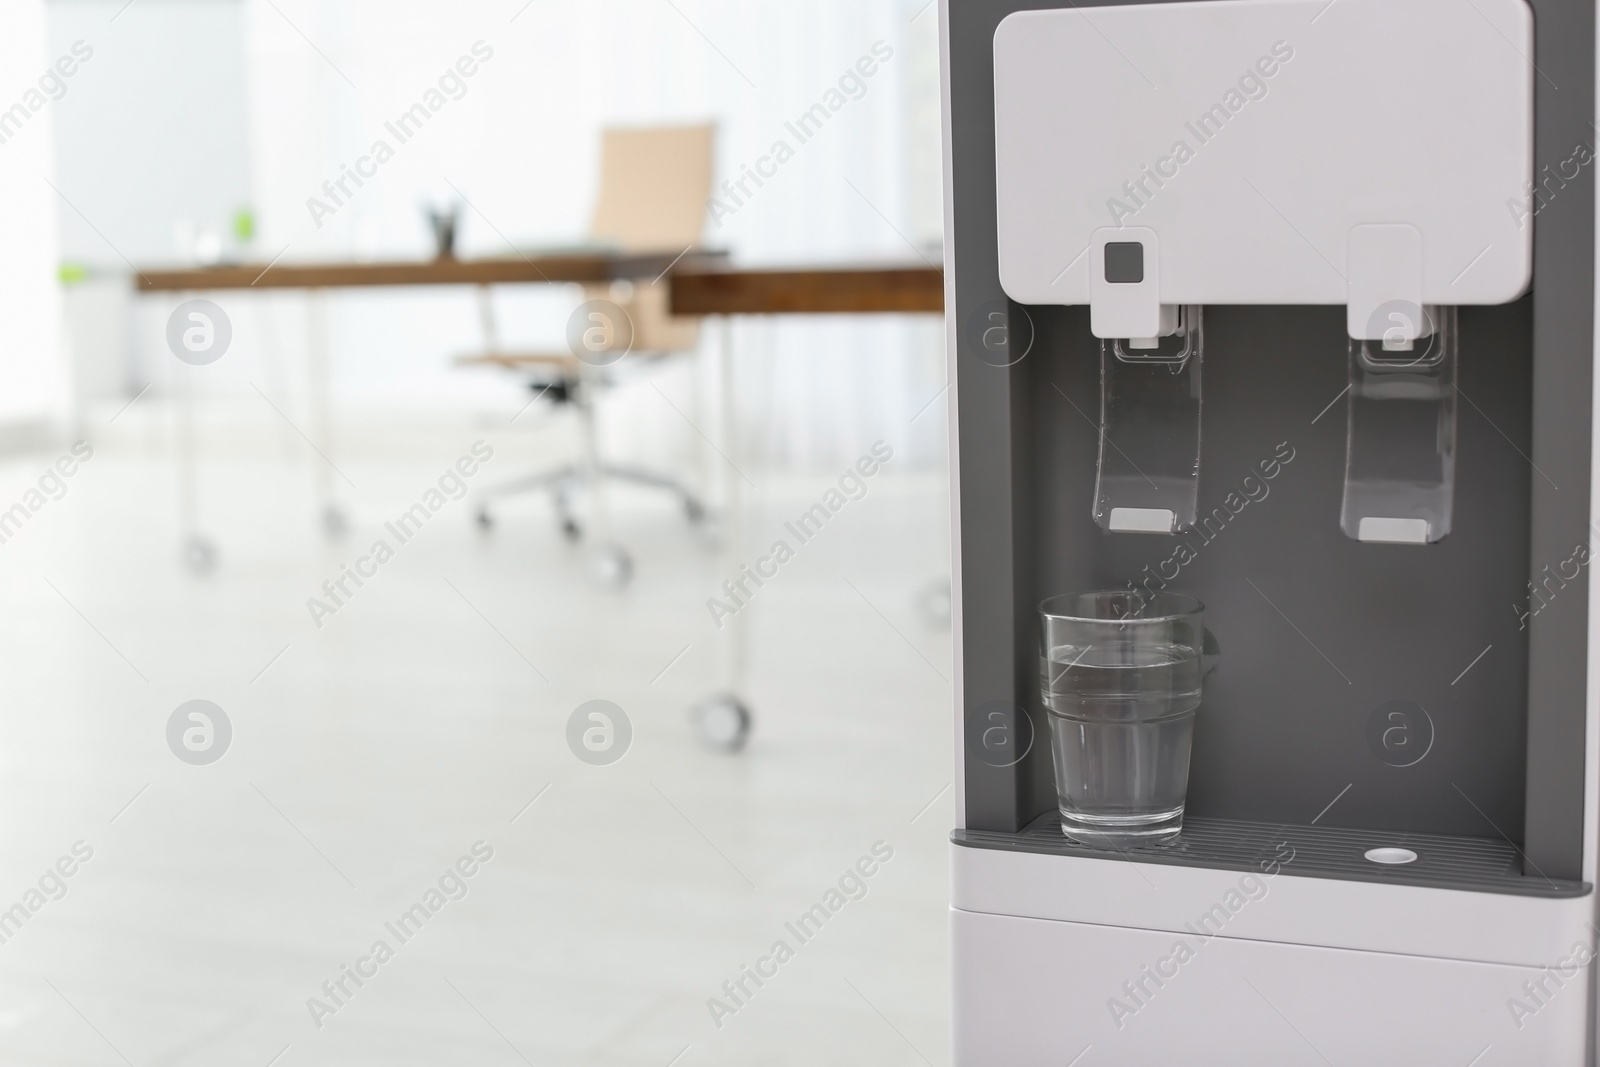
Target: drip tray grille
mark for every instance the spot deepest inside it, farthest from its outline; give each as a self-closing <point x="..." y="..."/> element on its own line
<point x="1475" y="864"/>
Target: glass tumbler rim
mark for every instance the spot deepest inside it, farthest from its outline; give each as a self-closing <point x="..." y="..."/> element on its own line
<point x="1160" y="607"/>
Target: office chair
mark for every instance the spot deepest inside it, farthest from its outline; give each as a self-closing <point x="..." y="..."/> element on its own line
<point x="654" y="184"/>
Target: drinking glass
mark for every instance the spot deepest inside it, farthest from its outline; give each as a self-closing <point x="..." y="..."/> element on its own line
<point x="1120" y="674"/>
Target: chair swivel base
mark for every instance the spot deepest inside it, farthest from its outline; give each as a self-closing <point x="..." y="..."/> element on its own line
<point x="565" y="482"/>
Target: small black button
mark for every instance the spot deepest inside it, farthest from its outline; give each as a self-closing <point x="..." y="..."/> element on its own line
<point x="1124" y="261"/>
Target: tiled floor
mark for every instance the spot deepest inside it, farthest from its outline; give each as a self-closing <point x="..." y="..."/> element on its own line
<point x="369" y="755"/>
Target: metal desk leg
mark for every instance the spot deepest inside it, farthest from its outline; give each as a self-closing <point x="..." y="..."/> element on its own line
<point x="486" y="321"/>
<point x="722" y="720"/>
<point x="610" y="562"/>
<point x="275" y="362"/>
<point x="199" y="551"/>
<point x="704" y="463"/>
<point x="334" y="520"/>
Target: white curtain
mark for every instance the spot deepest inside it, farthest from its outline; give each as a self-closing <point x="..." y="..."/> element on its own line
<point x="520" y="143"/>
<point x="34" y="393"/>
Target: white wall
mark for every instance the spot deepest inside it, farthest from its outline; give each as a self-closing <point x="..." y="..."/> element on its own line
<point x="152" y="137"/>
<point x="151" y="149"/>
<point x="522" y="144"/>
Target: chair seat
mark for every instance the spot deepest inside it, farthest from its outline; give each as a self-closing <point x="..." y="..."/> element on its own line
<point x="565" y="361"/>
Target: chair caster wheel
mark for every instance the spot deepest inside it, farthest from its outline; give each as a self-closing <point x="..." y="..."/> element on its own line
<point x="721" y="722"/>
<point x="199" y="555"/>
<point x="484" y="520"/>
<point x="933" y="604"/>
<point x="709" y="531"/>
<point x="571" y="530"/>
<point x="694" y="511"/>
<point x="612" y="566"/>
<point x="335" y="523"/>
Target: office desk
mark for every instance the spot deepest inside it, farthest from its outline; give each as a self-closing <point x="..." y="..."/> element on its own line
<point x="544" y="268"/>
<point x="890" y="289"/>
<point x="702" y="283"/>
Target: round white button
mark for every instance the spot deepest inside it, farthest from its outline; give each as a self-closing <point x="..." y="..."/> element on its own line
<point x="1391" y="856"/>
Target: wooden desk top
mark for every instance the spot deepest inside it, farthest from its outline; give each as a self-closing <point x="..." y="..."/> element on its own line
<point x="545" y="267"/>
<point x="807" y="291"/>
<point x="702" y="283"/>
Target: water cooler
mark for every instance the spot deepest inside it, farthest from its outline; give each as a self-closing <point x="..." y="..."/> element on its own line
<point x="1287" y="305"/>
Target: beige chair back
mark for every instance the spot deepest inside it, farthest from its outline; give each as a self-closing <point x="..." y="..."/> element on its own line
<point x="654" y="184"/>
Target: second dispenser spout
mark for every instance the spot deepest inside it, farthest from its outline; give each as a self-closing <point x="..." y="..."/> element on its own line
<point x="1400" y="453"/>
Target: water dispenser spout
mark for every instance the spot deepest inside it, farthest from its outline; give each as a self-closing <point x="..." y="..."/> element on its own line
<point x="1148" y="476"/>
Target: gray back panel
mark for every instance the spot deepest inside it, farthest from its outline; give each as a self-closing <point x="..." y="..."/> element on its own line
<point x="1316" y="631"/>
